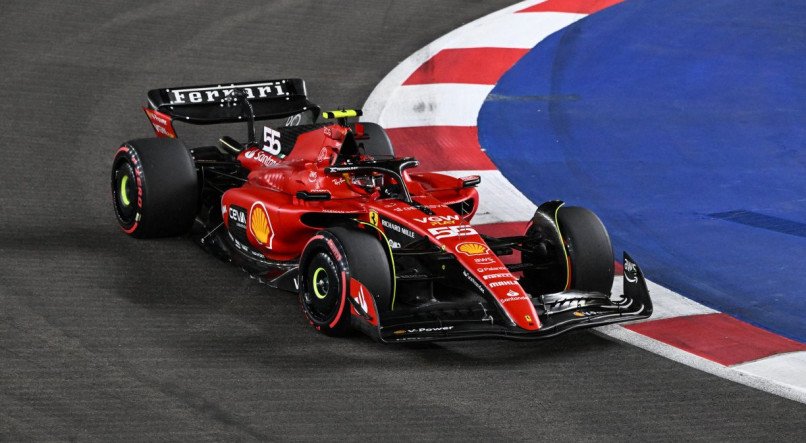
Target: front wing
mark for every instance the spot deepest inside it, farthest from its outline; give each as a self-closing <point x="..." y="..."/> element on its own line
<point x="558" y="313"/>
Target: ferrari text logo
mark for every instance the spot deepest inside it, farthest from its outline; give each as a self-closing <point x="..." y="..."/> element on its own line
<point x="216" y="94"/>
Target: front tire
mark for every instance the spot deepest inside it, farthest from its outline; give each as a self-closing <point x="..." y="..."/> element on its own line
<point x="330" y="260"/>
<point x="589" y="249"/>
<point x="572" y="250"/>
<point x="154" y="188"/>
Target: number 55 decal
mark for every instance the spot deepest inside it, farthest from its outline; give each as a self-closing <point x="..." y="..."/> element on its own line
<point x="451" y="231"/>
<point x="271" y="141"/>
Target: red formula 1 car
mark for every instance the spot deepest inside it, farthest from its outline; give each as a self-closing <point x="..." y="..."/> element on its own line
<point x="326" y="210"/>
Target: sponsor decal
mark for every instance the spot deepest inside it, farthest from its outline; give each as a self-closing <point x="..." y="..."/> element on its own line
<point x="271" y="141"/>
<point x="397" y="228"/>
<point x="260" y="156"/>
<point x="161" y="123"/>
<point x="339" y="181"/>
<point x="421" y="330"/>
<point x="332" y="246"/>
<point x="394" y="244"/>
<point x="405" y="208"/>
<point x="237" y="215"/>
<point x="155" y="116"/>
<point x="373" y="217"/>
<point x="216" y="94"/>
<point x="513" y="295"/>
<point x="496" y="284"/>
<point x="484" y="260"/>
<point x="294" y="120"/>
<point x="439" y="220"/>
<point x="245" y="248"/>
<point x="528" y="318"/>
<point x="323" y="155"/>
<point x="361" y="300"/>
<point x="451" y="231"/>
<point x="312" y="176"/>
<point x="587" y="313"/>
<point x="473" y="248"/>
<point x="499" y="275"/>
<point x="630" y="272"/>
<point x="473" y="280"/>
<point x="508" y="300"/>
<point x="260" y="224"/>
<point x="490" y="269"/>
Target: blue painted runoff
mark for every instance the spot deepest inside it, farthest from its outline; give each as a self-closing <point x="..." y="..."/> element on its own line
<point x="683" y="125"/>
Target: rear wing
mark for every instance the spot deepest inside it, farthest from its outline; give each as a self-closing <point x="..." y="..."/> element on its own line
<point x="210" y="104"/>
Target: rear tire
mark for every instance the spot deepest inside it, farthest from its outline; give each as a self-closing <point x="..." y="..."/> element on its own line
<point x="327" y="264"/>
<point x="154" y="188"/>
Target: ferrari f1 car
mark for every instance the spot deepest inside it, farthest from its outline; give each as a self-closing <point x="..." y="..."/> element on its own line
<point x="321" y="206"/>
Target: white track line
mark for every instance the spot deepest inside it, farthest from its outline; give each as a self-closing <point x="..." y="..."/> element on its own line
<point x="379" y="97"/>
<point x="429" y="105"/>
<point x="763" y="380"/>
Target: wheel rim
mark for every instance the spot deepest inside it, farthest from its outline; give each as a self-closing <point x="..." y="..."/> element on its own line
<point x="321" y="284"/>
<point x="124" y="192"/>
<point x="124" y="188"/>
<point x="322" y="291"/>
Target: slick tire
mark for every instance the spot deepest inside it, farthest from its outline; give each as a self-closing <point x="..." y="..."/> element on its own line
<point x="154" y="188"/>
<point x="589" y="249"/>
<point x="328" y="262"/>
<point x="579" y="256"/>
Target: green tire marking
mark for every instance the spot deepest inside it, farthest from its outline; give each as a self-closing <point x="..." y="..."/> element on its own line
<point x="316" y="292"/>
<point x="124" y="196"/>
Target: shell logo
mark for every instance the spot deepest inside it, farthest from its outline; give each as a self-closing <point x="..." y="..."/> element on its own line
<point x="260" y="225"/>
<point x="472" y="248"/>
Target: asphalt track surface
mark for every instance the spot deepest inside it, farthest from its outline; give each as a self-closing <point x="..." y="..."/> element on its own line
<point x="105" y="337"/>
